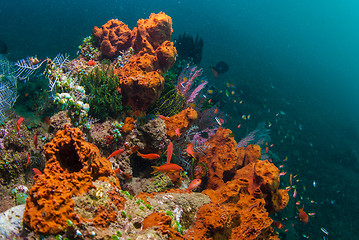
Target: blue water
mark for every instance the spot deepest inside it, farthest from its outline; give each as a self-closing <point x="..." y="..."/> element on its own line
<point x="298" y="57"/>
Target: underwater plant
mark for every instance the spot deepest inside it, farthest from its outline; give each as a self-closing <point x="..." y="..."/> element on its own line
<point x="104" y="99"/>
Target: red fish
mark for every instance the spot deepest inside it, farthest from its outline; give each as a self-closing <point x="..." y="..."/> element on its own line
<point x="215" y="73"/>
<point x="194" y="184"/>
<point x="178" y="132"/>
<point x="90" y="63"/>
<point x="35" y="140"/>
<point x="277" y="224"/>
<point x="162" y="117"/>
<point x="36" y="171"/>
<point x="169" y="152"/>
<point x="47" y="120"/>
<point x="303" y="216"/>
<point x="28" y="159"/>
<point x="19" y="121"/>
<point x="189" y="150"/>
<point x="167" y="168"/>
<point x="151" y="156"/>
<point x="267" y="149"/>
<point x="115" y="153"/>
<point x="118" y="171"/>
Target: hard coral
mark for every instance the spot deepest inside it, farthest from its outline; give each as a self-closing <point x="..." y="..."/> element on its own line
<point x="72" y="166"/>
<point x="112" y="37"/>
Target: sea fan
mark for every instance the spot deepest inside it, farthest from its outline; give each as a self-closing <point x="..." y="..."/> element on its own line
<point x="195" y="92"/>
<point x="258" y="136"/>
<point x="186" y="78"/>
<point x="8" y="87"/>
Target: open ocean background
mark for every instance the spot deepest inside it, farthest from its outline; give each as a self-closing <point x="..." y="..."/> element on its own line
<point x="294" y="63"/>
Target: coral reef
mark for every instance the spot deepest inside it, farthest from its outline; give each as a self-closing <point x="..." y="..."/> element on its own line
<point x="112" y="37"/>
<point x="238" y="212"/>
<point x="105" y="100"/>
<point x="141" y="79"/>
<point x="181" y="121"/>
<point x="222" y="159"/>
<point x="72" y="164"/>
<point x="79" y="194"/>
<point x="241" y="197"/>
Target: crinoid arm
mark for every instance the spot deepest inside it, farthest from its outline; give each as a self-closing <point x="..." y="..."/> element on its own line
<point x="25" y="68"/>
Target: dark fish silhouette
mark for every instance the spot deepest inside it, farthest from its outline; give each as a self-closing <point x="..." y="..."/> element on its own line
<point x="220" y="68"/>
<point x="3" y="47"/>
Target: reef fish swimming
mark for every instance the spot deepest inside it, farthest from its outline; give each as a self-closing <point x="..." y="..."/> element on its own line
<point x="115" y="153"/>
<point x="151" y="156"/>
<point x="167" y="167"/>
<point x="303" y="216"/>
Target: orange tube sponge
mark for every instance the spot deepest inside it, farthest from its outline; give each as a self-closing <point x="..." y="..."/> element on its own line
<point x="72" y="166"/>
<point x="180" y="122"/>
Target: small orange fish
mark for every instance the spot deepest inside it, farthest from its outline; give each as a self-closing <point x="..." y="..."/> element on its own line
<point x="47" y="121"/>
<point x="119" y="90"/>
<point x="118" y="171"/>
<point x="35" y="140"/>
<point x="28" y="159"/>
<point x="115" y="153"/>
<point x="215" y="73"/>
<point x="162" y="117"/>
<point x="303" y="216"/>
<point x="167" y="167"/>
<point x="151" y="156"/>
<point x="194" y="184"/>
<point x="282" y="173"/>
<point x="277" y="224"/>
<point x="36" y="171"/>
<point x="239" y="125"/>
<point x="178" y="133"/>
<point x="267" y="149"/>
<point x="169" y="152"/>
<point x="90" y="63"/>
<point x="216" y="111"/>
<point x="189" y="150"/>
<point x="19" y="121"/>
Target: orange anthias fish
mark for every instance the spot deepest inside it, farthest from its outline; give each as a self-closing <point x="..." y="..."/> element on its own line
<point x="28" y="159"/>
<point x="90" y="63"/>
<point x="194" y="184"/>
<point x="178" y="132"/>
<point x="151" y="156"/>
<point x="47" y="121"/>
<point x="167" y="168"/>
<point x="189" y="150"/>
<point x="303" y="216"/>
<point x="162" y="117"/>
<point x="19" y="121"/>
<point x="277" y="224"/>
<point x="36" y="171"/>
<point x="115" y="153"/>
<point x="118" y="171"/>
<point x="169" y="152"/>
<point x="35" y="140"/>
